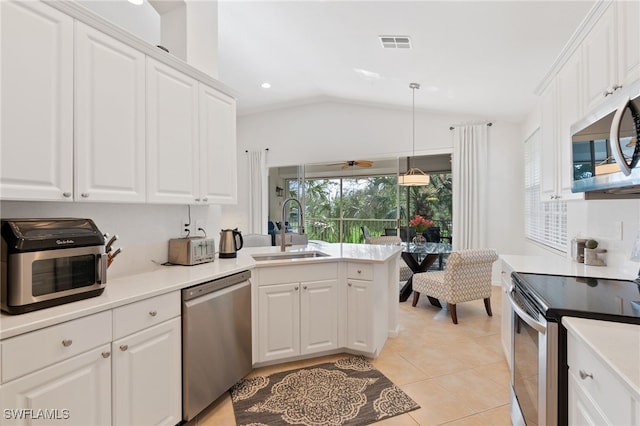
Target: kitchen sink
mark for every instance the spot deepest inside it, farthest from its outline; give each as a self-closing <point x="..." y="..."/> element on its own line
<point x="287" y="256"/>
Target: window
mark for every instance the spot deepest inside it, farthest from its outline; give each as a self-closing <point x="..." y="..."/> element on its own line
<point x="545" y="221"/>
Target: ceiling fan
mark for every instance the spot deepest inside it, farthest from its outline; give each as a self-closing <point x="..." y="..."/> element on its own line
<point x="358" y="163"/>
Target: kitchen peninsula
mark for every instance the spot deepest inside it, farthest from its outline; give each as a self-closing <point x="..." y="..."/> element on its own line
<point x="96" y="349"/>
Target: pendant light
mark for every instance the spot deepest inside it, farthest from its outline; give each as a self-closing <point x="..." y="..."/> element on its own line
<point x="414" y="176"/>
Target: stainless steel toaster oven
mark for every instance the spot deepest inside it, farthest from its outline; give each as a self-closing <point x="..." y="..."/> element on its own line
<point x="48" y="262"/>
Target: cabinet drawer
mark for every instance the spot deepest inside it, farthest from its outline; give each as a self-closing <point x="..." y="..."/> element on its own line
<point x="297" y="273"/>
<point x="360" y="271"/>
<point x="32" y="351"/>
<point x="603" y="389"/>
<point x="145" y="313"/>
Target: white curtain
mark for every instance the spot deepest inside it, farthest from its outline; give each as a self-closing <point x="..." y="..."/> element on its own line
<point x="470" y="176"/>
<point x="258" y="195"/>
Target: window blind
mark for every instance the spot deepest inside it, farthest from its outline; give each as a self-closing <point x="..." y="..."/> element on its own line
<point x="545" y="221"/>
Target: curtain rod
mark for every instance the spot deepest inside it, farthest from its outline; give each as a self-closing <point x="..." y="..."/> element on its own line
<point x="266" y="149"/>
<point x="489" y="124"/>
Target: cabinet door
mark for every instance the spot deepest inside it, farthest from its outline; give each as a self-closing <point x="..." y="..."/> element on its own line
<point x="279" y="321"/>
<point x="628" y="41"/>
<point x="172" y="135"/>
<point x="218" y="162"/>
<point x="37" y="102"/>
<point x="600" y="56"/>
<point x="110" y="120"/>
<point x="359" y="315"/>
<point x="76" y="391"/>
<point x="569" y="111"/>
<point x="548" y="156"/>
<point x="147" y="372"/>
<point x="507" y="315"/>
<point x="582" y="409"/>
<point x="318" y="316"/>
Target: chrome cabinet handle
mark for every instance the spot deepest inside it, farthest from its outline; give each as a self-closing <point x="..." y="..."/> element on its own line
<point x="67" y="342"/>
<point x="304" y="287"/>
<point x="124" y="347"/>
<point x="359" y="271"/>
<point x="106" y="354"/>
<point x="85" y="195"/>
<point x="295" y="288"/>
<point x="197" y="200"/>
<point x="349" y="284"/>
<point x="153" y="313"/>
<point x="584" y="375"/>
<point x="66" y="194"/>
<point x="205" y="199"/>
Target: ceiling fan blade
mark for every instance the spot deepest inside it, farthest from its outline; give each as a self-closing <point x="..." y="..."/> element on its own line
<point x="364" y="163"/>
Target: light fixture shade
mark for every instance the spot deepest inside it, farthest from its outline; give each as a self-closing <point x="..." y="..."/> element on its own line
<point x="413" y="177"/>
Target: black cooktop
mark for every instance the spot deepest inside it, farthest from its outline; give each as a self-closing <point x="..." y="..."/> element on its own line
<point x="597" y="298"/>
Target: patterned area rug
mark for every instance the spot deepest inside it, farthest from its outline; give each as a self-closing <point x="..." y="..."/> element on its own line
<point x="348" y="392"/>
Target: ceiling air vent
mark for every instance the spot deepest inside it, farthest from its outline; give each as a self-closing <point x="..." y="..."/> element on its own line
<point x="395" y="42"/>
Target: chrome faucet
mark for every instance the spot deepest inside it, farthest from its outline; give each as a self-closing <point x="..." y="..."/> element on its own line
<point x="283" y="228"/>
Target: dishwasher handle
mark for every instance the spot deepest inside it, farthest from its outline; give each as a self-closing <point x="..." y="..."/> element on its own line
<point x="215" y="285"/>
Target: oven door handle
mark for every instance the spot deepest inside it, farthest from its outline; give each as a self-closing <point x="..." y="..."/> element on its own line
<point x="537" y="325"/>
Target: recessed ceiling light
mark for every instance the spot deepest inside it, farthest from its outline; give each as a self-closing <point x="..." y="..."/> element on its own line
<point x="266" y="85"/>
<point x="136" y="2"/>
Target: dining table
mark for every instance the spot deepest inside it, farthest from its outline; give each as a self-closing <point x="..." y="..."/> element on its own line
<point x="419" y="258"/>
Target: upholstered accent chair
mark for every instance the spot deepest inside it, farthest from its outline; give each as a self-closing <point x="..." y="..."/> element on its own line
<point x="405" y="271"/>
<point x="466" y="277"/>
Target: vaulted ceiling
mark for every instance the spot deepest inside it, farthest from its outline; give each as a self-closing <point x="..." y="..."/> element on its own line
<point x="481" y="58"/>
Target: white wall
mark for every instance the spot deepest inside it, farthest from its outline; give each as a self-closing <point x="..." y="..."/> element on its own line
<point x="143" y="229"/>
<point x="331" y="131"/>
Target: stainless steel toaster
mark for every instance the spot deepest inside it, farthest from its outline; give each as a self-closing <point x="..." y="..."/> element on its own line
<point x="192" y="250"/>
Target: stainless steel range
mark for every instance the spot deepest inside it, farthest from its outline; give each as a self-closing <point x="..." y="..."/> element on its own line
<point x="539" y="341"/>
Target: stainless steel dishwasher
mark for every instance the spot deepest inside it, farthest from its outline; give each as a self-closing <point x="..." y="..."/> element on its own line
<point x="216" y="339"/>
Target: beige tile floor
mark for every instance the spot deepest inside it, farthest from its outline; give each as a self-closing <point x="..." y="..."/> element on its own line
<point x="456" y="373"/>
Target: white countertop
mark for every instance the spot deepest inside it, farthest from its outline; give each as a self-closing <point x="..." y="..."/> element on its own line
<point x="556" y="265"/>
<point x="616" y="344"/>
<point x="124" y="290"/>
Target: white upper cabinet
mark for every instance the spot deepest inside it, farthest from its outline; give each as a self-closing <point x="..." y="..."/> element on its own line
<point x="172" y="135"/>
<point x="218" y="163"/>
<point x="548" y="129"/>
<point x="110" y="119"/>
<point x="611" y="52"/>
<point x="628" y="41"/>
<point x="569" y="110"/>
<point x="600" y="59"/>
<point x="37" y="102"/>
<point x="96" y="114"/>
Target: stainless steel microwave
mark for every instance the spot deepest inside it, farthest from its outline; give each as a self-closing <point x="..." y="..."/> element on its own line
<point x="605" y="149"/>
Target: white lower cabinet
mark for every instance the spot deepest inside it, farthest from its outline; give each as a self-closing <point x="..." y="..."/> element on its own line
<point x="121" y="367"/>
<point x="506" y="312"/>
<point x="76" y="391"/>
<point x="596" y="395"/>
<point x="297" y="311"/>
<point x="297" y="318"/>
<point x="147" y="376"/>
<point x="61" y="373"/>
<point x="367" y="305"/>
<point x="359" y="312"/>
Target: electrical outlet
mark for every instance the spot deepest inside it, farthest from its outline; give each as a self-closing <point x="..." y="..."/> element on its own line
<point x="185" y="228"/>
<point x="200" y="228"/>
